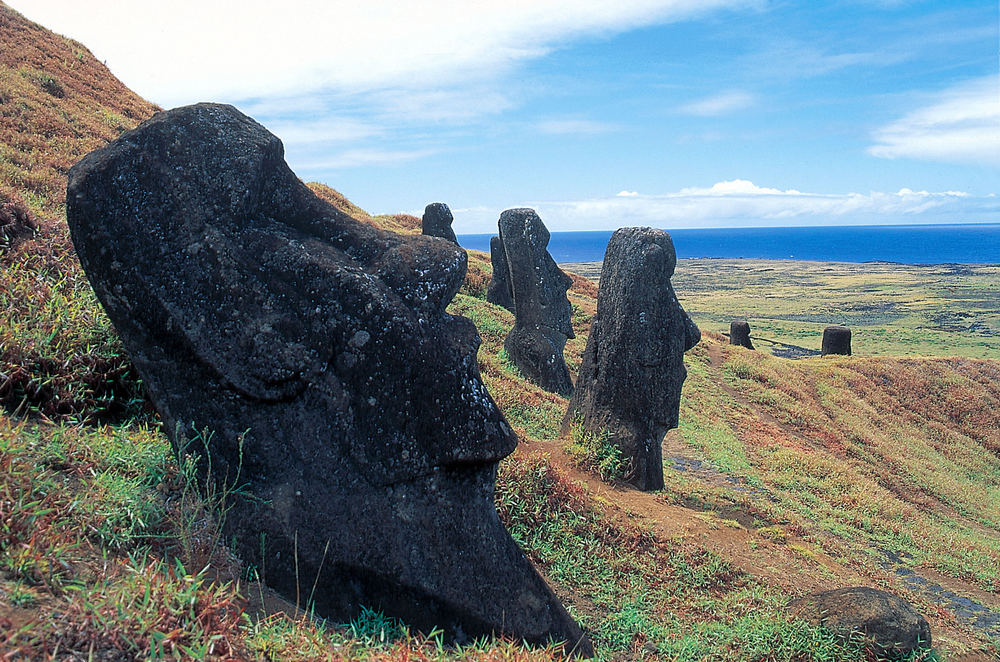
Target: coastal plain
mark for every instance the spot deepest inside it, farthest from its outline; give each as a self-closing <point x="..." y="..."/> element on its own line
<point x="892" y="309"/>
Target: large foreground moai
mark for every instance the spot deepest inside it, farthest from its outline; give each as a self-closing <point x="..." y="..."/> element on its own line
<point x="629" y="386"/>
<point x="316" y="351"/>
<point x="527" y="281"/>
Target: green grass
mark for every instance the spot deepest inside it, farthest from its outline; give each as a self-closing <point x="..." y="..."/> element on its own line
<point x="646" y="595"/>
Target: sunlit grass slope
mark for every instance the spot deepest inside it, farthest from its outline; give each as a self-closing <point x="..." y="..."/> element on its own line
<point x="109" y="547"/>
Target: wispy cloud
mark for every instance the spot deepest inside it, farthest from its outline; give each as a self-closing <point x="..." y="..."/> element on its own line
<point x="352" y="158"/>
<point x="961" y="126"/>
<point x="191" y="50"/>
<point x="295" y="132"/>
<point x="719" y="104"/>
<point x="790" y="59"/>
<point x="575" y="127"/>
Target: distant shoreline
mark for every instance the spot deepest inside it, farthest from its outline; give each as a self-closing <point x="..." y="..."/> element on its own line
<point x="893" y="244"/>
<point x="592" y="268"/>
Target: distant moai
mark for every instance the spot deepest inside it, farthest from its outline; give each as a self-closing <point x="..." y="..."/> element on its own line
<point x="629" y="386"/>
<point x="524" y="271"/>
<point x="739" y="334"/>
<point x="836" y="340"/>
<point x="437" y="221"/>
<point x="499" y="292"/>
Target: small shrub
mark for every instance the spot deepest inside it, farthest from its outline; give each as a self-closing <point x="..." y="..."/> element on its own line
<point x="51" y="85"/>
<point x="596" y="451"/>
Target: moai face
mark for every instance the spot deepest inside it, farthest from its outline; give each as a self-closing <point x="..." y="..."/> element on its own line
<point x="317" y="353"/>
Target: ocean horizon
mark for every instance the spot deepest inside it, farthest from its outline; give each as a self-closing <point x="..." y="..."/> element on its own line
<point x="968" y="243"/>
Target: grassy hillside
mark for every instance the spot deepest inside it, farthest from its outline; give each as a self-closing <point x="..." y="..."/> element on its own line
<point x="892" y="309"/>
<point x="784" y="477"/>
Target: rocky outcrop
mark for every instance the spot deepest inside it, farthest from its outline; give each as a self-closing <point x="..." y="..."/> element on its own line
<point x="524" y="271"/>
<point x="316" y="352"/>
<point x="890" y="623"/>
<point x="836" y="340"/>
<point x="16" y="220"/>
<point x="629" y="386"/>
<point x="739" y="334"/>
<point x="437" y="221"/>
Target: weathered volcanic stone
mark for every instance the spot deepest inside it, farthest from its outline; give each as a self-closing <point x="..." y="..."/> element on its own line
<point x="499" y="291"/>
<point x="542" y="314"/>
<point x="437" y="222"/>
<point x="836" y="340"/>
<point x="16" y="221"/>
<point x="629" y="386"/>
<point x="739" y="334"/>
<point x="316" y="351"/>
<point x="891" y="623"/>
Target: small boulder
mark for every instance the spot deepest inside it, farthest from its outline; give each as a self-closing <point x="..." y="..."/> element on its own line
<point x="629" y="386"/>
<point x="542" y="314"/>
<point x="437" y="221"/>
<point x="16" y="220"/>
<point x="836" y="340"/>
<point x="739" y="334"/>
<point x="891" y="623"/>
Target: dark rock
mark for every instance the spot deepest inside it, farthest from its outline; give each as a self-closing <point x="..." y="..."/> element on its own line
<point x="437" y="222"/>
<point x="891" y="623"/>
<point x="542" y="314"/>
<point x="739" y="334"/>
<point x="16" y="220"/>
<point x="836" y="340"/>
<point x="499" y="292"/>
<point x="629" y="386"/>
<point x="315" y="350"/>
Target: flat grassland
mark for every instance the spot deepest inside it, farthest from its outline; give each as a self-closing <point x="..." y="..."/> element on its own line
<point x="892" y="309"/>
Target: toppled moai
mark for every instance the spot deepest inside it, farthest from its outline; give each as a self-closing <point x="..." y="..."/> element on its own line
<point x="315" y="349"/>
<point x="629" y="386"/>
<point x="437" y="221"/>
<point x="526" y="276"/>
<point x="739" y="334"/>
<point x="896" y="629"/>
<point x="836" y="340"/>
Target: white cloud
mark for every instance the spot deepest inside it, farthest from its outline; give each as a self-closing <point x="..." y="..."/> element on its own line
<point x="719" y="104"/>
<point x="961" y="126"/>
<point x="741" y="203"/>
<point x="193" y="50"/>
<point x="294" y="132"/>
<point x="575" y="127"/>
<point x="352" y="158"/>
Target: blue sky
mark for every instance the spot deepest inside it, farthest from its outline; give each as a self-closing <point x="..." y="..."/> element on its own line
<point x="672" y="113"/>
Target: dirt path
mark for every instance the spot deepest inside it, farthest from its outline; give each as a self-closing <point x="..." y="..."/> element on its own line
<point x="967" y="602"/>
<point x="792" y="563"/>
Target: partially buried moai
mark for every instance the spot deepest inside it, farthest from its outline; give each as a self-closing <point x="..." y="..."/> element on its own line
<point x="739" y="334"/>
<point x="436" y="222"/>
<point x="527" y="280"/>
<point x="316" y="351"/>
<point x="629" y="386"/>
<point x="836" y="340"/>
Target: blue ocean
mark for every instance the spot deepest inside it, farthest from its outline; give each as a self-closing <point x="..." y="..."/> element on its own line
<point x="908" y="244"/>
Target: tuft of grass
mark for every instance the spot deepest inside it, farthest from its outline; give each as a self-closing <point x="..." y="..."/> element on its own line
<point x="596" y="451"/>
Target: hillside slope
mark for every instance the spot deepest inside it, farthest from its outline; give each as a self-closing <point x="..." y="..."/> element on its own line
<point x="784" y="476"/>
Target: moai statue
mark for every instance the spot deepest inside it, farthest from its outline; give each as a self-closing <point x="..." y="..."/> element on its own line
<point x="316" y="351"/>
<point x="629" y="386"/>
